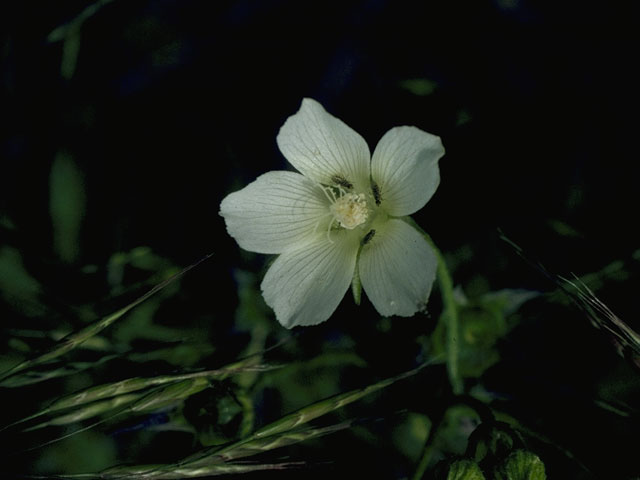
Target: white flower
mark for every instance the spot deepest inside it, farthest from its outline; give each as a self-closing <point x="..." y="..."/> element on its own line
<point x="340" y="217"/>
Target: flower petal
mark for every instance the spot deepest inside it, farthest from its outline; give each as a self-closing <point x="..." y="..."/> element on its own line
<point x="277" y="211"/>
<point x="323" y="147"/>
<point x="305" y="286"/>
<point x="397" y="268"/>
<point x="405" y="168"/>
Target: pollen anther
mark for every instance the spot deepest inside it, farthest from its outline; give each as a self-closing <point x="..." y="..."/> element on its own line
<point x="350" y="210"/>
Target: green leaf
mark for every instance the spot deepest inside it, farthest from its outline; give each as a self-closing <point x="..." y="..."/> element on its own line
<point x="66" y="205"/>
<point x="410" y="435"/>
<point x="86" y="452"/>
<point x="465" y="470"/>
<point x="453" y="433"/>
<point x="17" y="286"/>
<point x="509" y="300"/>
<point x="521" y="465"/>
<point x="482" y="321"/>
<point x="70" y="51"/>
<point x="63" y="31"/>
<point x="419" y="86"/>
<point x="492" y="442"/>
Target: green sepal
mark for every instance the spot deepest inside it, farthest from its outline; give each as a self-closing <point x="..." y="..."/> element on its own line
<point x="356" y="284"/>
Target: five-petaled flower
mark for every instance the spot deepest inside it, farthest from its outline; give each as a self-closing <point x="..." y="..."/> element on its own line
<point x="340" y="218"/>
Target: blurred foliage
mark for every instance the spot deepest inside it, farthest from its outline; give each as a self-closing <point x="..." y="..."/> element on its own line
<point x="17" y="286"/>
<point x="67" y="206"/>
<point x="483" y="321"/>
<point x="419" y="86"/>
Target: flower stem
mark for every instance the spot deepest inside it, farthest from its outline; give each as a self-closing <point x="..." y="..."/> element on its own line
<point x="449" y="313"/>
<point x="450" y="318"/>
<point x="426" y="456"/>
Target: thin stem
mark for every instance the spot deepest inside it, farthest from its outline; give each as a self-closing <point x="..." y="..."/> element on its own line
<point x="450" y="317"/>
<point x="426" y="454"/>
<point x="449" y="313"/>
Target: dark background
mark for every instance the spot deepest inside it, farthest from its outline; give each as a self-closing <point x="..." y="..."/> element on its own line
<point x="173" y="104"/>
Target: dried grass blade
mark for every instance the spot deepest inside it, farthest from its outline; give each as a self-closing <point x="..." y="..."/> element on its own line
<point x="139" y="383"/>
<point x="269" y="435"/>
<point x="36" y="376"/>
<point x="127" y="386"/>
<point x="169" y="395"/>
<point x="74" y="339"/>
<point x="315" y="410"/>
<point x="158" y="472"/>
<point x="257" y="446"/>
<point x="88" y="411"/>
<point x="157" y="399"/>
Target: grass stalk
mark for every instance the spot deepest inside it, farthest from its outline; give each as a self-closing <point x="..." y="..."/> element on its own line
<point x="74" y="339"/>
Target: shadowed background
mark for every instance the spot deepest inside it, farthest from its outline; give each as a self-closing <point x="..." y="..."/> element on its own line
<point x="127" y="122"/>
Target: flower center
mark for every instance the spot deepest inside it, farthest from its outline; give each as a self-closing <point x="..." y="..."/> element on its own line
<point x="350" y="210"/>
